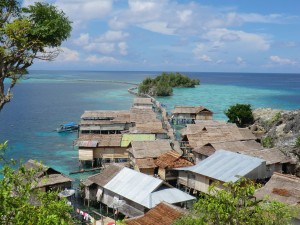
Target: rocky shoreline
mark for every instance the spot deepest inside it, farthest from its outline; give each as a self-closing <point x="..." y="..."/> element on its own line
<point x="281" y="128"/>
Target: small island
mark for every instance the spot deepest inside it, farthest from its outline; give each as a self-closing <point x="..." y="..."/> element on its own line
<point x="163" y="84"/>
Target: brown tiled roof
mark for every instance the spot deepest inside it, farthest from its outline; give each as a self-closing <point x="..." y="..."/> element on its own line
<point x="145" y="163"/>
<point x="162" y="214"/>
<point x="281" y="187"/>
<point x="190" y="109"/>
<point x="172" y="159"/>
<point x="103" y="177"/>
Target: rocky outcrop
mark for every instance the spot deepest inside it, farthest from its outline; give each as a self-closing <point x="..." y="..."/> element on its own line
<point x="278" y="128"/>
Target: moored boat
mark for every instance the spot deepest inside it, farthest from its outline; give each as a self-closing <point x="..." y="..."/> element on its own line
<point x="67" y="127"/>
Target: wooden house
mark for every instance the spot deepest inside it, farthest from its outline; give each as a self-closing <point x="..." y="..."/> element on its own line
<point x="188" y="114"/>
<point x="276" y="160"/>
<point x="143" y="153"/>
<point x="104" y="122"/>
<point x="140" y="116"/>
<point x="101" y="148"/>
<point x="283" y="188"/>
<point x="155" y="128"/>
<point x="162" y="214"/>
<point x="166" y="164"/>
<point x="130" y="192"/>
<point x="143" y="103"/>
<point x="198" y="135"/>
<point x="48" y="178"/>
<point x="223" y="166"/>
<point x="207" y="150"/>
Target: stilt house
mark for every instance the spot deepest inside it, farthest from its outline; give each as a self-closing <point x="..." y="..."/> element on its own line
<point x="130" y="192"/>
<point x="223" y="166"/>
<point x="48" y="178"/>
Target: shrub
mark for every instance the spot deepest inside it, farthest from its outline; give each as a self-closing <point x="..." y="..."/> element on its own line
<point x="241" y="114"/>
<point x="267" y="142"/>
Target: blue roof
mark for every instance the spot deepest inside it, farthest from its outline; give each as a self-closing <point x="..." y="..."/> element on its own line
<point x="226" y="166"/>
<point x="70" y="124"/>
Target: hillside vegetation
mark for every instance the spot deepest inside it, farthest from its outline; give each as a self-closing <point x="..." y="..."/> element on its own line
<point x="163" y="84"/>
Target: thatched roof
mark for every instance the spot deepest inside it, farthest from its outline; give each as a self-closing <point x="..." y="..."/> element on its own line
<point x="148" y="128"/>
<point x="104" y="114"/>
<point x="143" y="101"/>
<point x="142" y="115"/>
<point x="233" y="146"/>
<point x="162" y="214"/>
<point x="52" y="179"/>
<point x="149" y="149"/>
<point x="103" y="140"/>
<point x="215" y="134"/>
<point x="271" y="155"/>
<point x="281" y="187"/>
<point x="210" y="125"/>
<point x="104" y="177"/>
<point x="172" y="159"/>
<point x="146" y="163"/>
<point x="211" y="122"/>
<point x="46" y="175"/>
<point x="190" y="110"/>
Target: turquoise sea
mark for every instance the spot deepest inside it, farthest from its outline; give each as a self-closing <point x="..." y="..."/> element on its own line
<point x="49" y="98"/>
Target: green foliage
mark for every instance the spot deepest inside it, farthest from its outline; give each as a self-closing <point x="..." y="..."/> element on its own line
<point x="26" y="34"/>
<point x="297" y="144"/>
<point x="267" y="142"/>
<point x="235" y="205"/>
<point x="241" y="114"/>
<point x="162" y="85"/>
<point x="276" y="117"/>
<point x="22" y="204"/>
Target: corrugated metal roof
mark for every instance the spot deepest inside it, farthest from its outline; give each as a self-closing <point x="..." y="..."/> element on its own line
<point x="140" y="188"/>
<point x="225" y="166"/>
<point x="133" y="185"/>
<point x="169" y="195"/>
<point x="127" y="138"/>
<point x="90" y="143"/>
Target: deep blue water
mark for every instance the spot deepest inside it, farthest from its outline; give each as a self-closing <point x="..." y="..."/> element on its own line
<point x="50" y="98"/>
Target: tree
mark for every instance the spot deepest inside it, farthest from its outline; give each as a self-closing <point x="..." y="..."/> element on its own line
<point x="241" y="114"/>
<point x="235" y="205"/>
<point x="22" y="204"/>
<point x="26" y="34"/>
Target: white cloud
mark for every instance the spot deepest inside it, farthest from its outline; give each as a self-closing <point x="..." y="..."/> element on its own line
<point x="68" y="55"/>
<point x="82" y="11"/>
<point x="282" y="61"/>
<point x="123" y="48"/>
<point x="240" y="39"/>
<point x="102" y="59"/>
<point x="83" y="39"/>
<point x="27" y="3"/>
<point x="112" y="35"/>
<point x="159" y="27"/>
<point x="205" y="58"/>
<point x="102" y="47"/>
<point x="240" y="61"/>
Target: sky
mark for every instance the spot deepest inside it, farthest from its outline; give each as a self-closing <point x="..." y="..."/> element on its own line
<point x="180" y="35"/>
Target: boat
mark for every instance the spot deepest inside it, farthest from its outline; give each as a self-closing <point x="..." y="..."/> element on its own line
<point x="67" y="127"/>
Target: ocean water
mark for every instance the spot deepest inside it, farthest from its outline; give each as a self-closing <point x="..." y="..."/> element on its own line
<point x="49" y="98"/>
